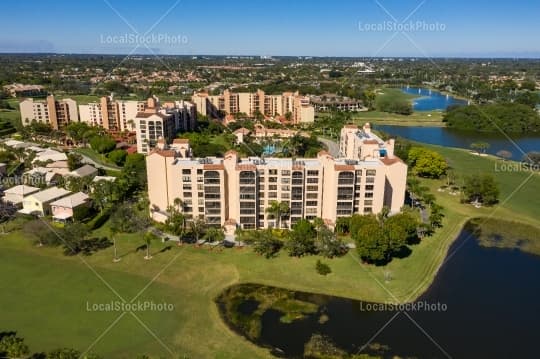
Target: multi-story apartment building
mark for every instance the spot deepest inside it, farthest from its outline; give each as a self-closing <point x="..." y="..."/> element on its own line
<point x="56" y="113"/>
<point x="111" y="114"/>
<point x="253" y="103"/>
<point x="162" y="122"/>
<point x="233" y="191"/>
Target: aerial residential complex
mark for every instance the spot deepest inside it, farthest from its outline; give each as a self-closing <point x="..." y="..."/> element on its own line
<point x="253" y="103"/>
<point x="56" y="113"/>
<point x="235" y="192"/>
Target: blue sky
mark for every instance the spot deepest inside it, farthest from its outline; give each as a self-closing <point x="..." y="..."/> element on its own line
<point x="478" y="28"/>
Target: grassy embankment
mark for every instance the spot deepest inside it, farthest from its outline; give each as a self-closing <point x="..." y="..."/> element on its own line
<point x="57" y="288"/>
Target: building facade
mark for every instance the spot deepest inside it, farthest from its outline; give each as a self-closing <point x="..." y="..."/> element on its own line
<point x="254" y="104"/>
<point x="111" y="114"/>
<point x="162" y="122"/>
<point x="237" y="191"/>
<point x="56" y="113"/>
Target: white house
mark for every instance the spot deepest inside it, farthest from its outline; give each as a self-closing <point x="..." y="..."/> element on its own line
<point x="39" y="202"/>
<point x="15" y="195"/>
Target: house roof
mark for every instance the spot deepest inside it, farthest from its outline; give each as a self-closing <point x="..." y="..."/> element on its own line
<point x="49" y="194"/>
<point x="21" y="190"/>
<point x="104" y="178"/>
<point x="86" y="170"/>
<point x="71" y="201"/>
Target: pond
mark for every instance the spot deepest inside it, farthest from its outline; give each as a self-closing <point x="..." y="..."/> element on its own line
<point x="431" y="100"/>
<point x="457" y="138"/>
<point x="483" y="304"/>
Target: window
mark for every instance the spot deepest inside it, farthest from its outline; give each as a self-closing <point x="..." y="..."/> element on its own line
<point x="346" y="178"/>
<point x="312" y="195"/>
<point x="370" y="180"/>
<point x="272" y="194"/>
<point x="272" y="187"/>
<point x="272" y="172"/>
<point x="311" y="203"/>
<point x="358" y="173"/>
<point x="285" y="180"/>
<point x="371" y="172"/>
<point x="186" y="187"/>
<point x="272" y="179"/>
<point x="187" y="194"/>
<point x="285" y="173"/>
<point x="368" y="210"/>
<point x="313" y="173"/>
<point x="186" y="171"/>
<point x="186" y="178"/>
<point x="285" y="188"/>
<point x="312" y="188"/>
<point x="312" y="180"/>
<point x="368" y="202"/>
<point x="369" y="195"/>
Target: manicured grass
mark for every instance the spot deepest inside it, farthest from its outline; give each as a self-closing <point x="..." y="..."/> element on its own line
<point x="42" y="282"/>
<point x="99" y="158"/>
<point x="427" y="118"/>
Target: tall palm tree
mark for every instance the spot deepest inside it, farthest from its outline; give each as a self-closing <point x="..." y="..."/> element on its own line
<point x="197" y="228"/>
<point x="113" y="231"/>
<point x="278" y="210"/>
<point x="149" y="237"/>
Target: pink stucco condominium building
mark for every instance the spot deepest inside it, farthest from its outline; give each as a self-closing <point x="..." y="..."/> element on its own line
<point x="235" y="192"/>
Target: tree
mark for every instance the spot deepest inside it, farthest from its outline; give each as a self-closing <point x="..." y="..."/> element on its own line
<point x="149" y="237"/>
<point x="102" y="144"/>
<point x="301" y="239"/>
<point x="41" y="232"/>
<point x="197" y="227"/>
<point x="128" y="219"/>
<point x="371" y="244"/>
<point x="104" y="193"/>
<point x="134" y="172"/>
<point x="12" y="346"/>
<point x="265" y="243"/>
<point x="328" y="245"/>
<point x="64" y="353"/>
<point x="214" y="234"/>
<point x="117" y="156"/>
<point x="436" y="216"/>
<point x="427" y="163"/>
<point x="481" y="188"/>
<point x="480" y="146"/>
<point x="278" y="210"/>
<point x="322" y="268"/>
<point x="74" y="161"/>
<point x="113" y="231"/>
<point x="176" y="223"/>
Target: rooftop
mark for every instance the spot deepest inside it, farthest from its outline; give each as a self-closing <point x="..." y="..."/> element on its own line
<point x="71" y="201"/>
<point x="50" y="194"/>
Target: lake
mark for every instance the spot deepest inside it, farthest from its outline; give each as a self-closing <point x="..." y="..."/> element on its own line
<point x="491" y="301"/>
<point x="458" y="138"/>
<point x="431" y="100"/>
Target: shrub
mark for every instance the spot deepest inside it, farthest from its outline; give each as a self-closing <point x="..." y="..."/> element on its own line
<point x="322" y="268"/>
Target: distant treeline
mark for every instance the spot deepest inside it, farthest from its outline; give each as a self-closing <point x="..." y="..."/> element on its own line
<point x="508" y="117"/>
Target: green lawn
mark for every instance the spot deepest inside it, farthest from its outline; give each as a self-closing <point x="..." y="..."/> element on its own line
<point x="99" y="158"/>
<point x="42" y="282"/>
<point x="418" y="118"/>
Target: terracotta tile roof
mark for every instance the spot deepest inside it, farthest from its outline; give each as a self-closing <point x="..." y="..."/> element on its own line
<point x="246" y="167"/>
<point x="164" y="153"/>
<point x="371" y="142"/>
<point x="390" y="161"/>
<point x="344" y="167"/>
<point x="214" y="167"/>
<point x="180" y="140"/>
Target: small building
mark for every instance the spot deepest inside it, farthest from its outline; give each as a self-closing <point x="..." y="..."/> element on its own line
<point x="84" y="171"/>
<point x="104" y="178"/>
<point x="39" y="203"/>
<point x="15" y="195"/>
<point x="74" y="206"/>
<point x="241" y="133"/>
<point x="50" y="155"/>
<point x="42" y="176"/>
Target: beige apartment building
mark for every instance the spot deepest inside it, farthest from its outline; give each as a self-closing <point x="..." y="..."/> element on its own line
<point x="161" y="122"/>
<point x="235" y="192"/>
<point x="254" y="103"/>
<point x="56" y="113"/>
<point x="111" y="114"/>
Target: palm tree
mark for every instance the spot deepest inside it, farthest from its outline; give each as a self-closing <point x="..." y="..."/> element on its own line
<point x="149" y="237"/>
<point x="113" y="231"/>
<point x="214" y="234"/>
<point x="278" y="210"/>
<point x="197" y="227"/>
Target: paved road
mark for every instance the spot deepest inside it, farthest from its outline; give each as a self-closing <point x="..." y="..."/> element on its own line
<point x="333" y="147"/>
